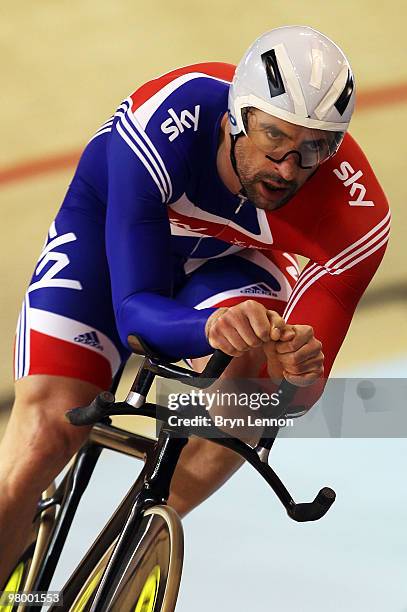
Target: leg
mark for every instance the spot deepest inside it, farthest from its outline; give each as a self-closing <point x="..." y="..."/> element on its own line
<point x="67" y="350"/>
<point x="205" y="466"/>
<point x="37" y="444"/>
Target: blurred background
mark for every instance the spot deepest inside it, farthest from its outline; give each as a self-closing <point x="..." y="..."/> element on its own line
<point x="65" y="68"/>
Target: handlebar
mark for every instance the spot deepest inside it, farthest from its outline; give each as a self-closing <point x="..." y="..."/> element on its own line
<point x="94" y="413"/>
<point x="315" y="510"/>
<point x="104" y="406"/>
<point x="99" y="408"/>
<point x="216" y="365"/>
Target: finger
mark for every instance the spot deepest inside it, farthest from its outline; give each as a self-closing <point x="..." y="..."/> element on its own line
<point x="258" y="320"/>
<point x="308" y="351"/>
<point x="241" y="323"/>
<point x="228" y="326"/>
<point x="234" y="338"/>
<point x="292" y="345"/>
<point x="277" y="324"/>
<point x="287" y="334"/>
<point x="224" y="345"/>
<point x="301" y="338"/>
<point x="223" y="330"/>
<point x="302" y="368"/>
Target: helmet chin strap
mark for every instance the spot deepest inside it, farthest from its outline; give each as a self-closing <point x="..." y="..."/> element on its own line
<point x="233" y="140"/>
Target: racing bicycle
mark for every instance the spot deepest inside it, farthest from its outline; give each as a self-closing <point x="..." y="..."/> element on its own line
<point x="135" y="563"/>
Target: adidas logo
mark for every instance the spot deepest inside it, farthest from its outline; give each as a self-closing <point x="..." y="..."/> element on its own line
<point x="90" y="338"/>
<point x="258" y="289"/>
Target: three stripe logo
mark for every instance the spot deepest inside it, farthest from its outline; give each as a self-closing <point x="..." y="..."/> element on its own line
<point x="89" y="338"/>
<point x="137" y="139"/>
<point x="346" y="259"/>
<point x="257" y="289"/>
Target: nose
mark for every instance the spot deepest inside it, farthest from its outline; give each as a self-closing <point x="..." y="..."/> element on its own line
<point x="288" y="169"/>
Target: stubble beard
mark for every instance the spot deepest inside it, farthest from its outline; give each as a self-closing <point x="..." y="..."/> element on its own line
<point x="250" y="182"/>
<point x="252" y="191"/>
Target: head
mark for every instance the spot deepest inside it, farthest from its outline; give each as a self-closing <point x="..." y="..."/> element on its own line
<point x="290" y="104"/>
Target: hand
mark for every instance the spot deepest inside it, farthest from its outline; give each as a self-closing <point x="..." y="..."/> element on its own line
<point x="243" y="327"/>
<point x="297" y="356"/>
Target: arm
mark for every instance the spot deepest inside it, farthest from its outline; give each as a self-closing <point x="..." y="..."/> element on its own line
<point x="347" y="228"/>
<point x="325" y="298"/>
<point x="138" y="248"/>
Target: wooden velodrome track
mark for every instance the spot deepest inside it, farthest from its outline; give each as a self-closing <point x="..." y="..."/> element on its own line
<point x="66" y="66"/>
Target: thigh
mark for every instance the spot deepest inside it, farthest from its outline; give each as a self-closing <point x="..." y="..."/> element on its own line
<point x="265" y="276"/>
<point x="67" y="326"/>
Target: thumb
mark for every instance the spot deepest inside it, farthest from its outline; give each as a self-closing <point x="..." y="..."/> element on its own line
<point x="287" y="334"/>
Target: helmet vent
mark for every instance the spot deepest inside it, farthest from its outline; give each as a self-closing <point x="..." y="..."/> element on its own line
<point x="274" y="79"/>
<point x="343" y="100"/>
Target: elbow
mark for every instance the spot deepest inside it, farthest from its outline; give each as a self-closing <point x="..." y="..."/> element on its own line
<point x="307" y="397"/>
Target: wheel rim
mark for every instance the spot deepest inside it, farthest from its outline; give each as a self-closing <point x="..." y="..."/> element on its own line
<point x="151" y="580"/>
<point x="91" y="583"/>
<point x="149" y="592"/>
<point x="157" y="584"/>
<point x="13" y="584"/>
<point x="85" y="596"/>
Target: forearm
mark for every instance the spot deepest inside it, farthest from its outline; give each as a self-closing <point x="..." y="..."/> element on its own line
<point x="172" y="329"/>
<point x="305" y="397"/>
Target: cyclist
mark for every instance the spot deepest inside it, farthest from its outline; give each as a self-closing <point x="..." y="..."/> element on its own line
<point x="180" y="225"/>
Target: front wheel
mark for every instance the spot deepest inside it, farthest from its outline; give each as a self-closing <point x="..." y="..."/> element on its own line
<point x="151" y="577"/>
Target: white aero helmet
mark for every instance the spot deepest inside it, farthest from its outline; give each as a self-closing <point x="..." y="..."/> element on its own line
<point x="296" y="74"/>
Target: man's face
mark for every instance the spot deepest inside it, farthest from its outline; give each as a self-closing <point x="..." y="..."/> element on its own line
<point x="270" y="184"/>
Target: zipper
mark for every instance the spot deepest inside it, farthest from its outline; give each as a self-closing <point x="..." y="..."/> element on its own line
<point x="242" y="200"/>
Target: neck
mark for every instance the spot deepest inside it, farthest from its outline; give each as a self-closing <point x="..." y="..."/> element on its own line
<point x="223" y="163"/>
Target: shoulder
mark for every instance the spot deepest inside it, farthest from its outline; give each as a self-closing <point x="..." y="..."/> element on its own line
<point x="349" y="180"/>
<point x="355" y="178"/>
<point x="352" y="203"/>
<point x="181" y="90"/>
<point x="342" y="216"/>
<point x="168" y="123"/>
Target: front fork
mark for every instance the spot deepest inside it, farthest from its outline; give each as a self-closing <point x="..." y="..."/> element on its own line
<point x="155" y="490"/>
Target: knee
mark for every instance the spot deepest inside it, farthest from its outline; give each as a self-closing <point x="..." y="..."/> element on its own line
<point x="39" y="418"/>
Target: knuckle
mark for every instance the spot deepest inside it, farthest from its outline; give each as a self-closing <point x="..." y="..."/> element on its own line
<point x="221" y="323"/>
<point x="214" y="343"/>
<point x="217" y="340"/>
<point x="251" y="305"/>
<point x="315" y="344"/>
<point x="226" y="347"/>
<point x="241" y="346"/>
<point x="214" y="332"/>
